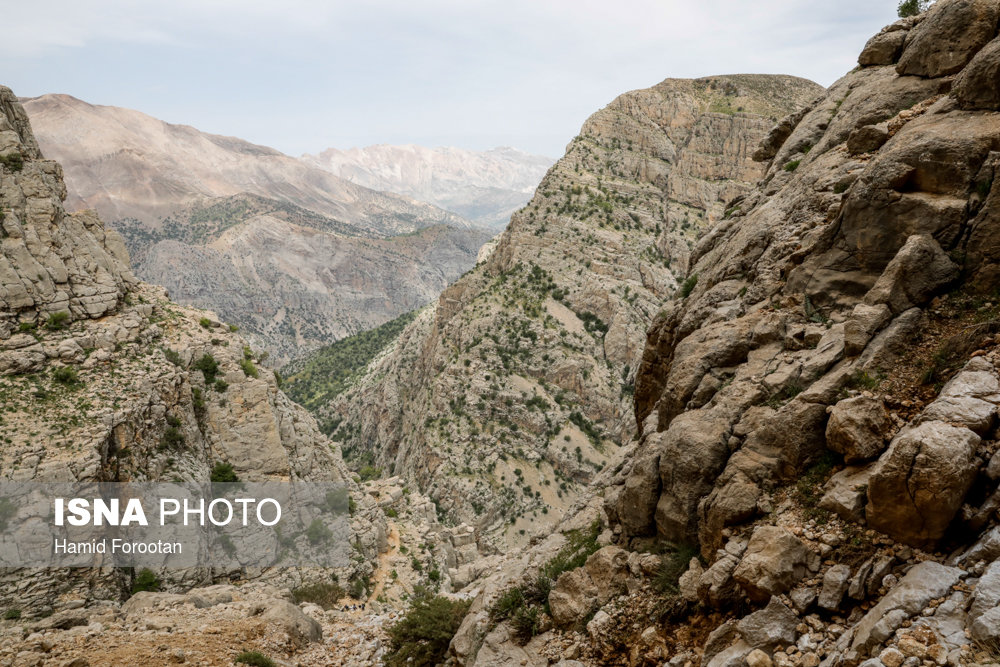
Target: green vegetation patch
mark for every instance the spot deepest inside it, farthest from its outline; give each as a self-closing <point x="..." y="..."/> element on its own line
<point x="319" y="378"/>
<point x="421" y="638"/>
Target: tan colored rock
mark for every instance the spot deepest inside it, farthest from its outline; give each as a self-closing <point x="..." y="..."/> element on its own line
<point x="975" y="87"/>
<point x="920" y="482"/>
<point x="885" y="47"/>
<point x="845" y="493"/>
<point x="857" y="428"/>
<point x="774" y="562"/>
<point x="757" y="658"/>
<point x="913" y="276"/>
<point x="865" y="322"/>
<point x="578" y="592"/>
<point x="949" y="35"/>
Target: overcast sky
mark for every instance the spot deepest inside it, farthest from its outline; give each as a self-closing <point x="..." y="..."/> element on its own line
<point x="303" y="75"/>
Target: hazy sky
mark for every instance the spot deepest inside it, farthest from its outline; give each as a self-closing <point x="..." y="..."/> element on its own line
<point x="302" y="75"/>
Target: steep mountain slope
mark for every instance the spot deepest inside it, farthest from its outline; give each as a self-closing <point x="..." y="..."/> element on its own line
<point x="817" y="416"/>
<point x="259" y="237"/>
<point x="506" y="399"/>
<point x="103" y="378"/>
<point x="126" y="164"/>
<point x="291" y="279"/>
<point x="483" y="186"/>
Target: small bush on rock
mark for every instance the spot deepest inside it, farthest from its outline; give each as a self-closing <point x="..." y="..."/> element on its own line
<point x="421" y="638"/>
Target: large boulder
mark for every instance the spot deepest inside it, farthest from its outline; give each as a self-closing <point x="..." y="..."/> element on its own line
<point x="775" y="560"/>
<point x="914" y="275"/>
<point x="301" y="629"/>
<point x="948" y="37"/>
<point x="920" y="482"/>
<point x="857" y="428"/>
<point x="976" y="87"/>
<point x="885" y="47"/>
<point x="772" y="626"/>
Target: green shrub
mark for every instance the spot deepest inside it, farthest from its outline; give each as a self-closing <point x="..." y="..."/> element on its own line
<point x="13" y="161"/>
<point x="12" y="614"/>
<point x="24" y="327"/>
<point x="66" y="375"/>
<point x="326" y="595"/>
<point x="249" y="369"/>
<point x="526" y="623"/>
<point x="57" y="321"/>
<point x="173" y="357"/>
<point x="223" y="473"/>
<point x="198" y="403"/>
<point x="205" y="323"/>
<point x="688" y="285"/>
<point x="172" y="437"/>
<point x="368" y="473"/>
<point x="504" y="606"/>
<point x="146" y="580"/>
<point x="421" y="638"/>
<point x="278" y="380"/>
<point x="317" y="532"/>
<point x="793" y="165"/>
<point x="208" y="366"/>
<point x="255" y="659"/>
<point x="221" y="385"/>
<point x="674" y="564"/>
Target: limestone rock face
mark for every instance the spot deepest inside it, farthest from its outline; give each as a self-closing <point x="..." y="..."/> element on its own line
<point x="861" y="241"/>
<point x="975" y="87"/>
<point x="50" y="261"/>
<point x="138" y="408"/>
<point x="522" y="376"/>
<point x="919" y="270"/>
<point x="578" y="592"/>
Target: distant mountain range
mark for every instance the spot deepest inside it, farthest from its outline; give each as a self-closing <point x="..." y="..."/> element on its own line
<point x="263" y="238"/>
<point x="485" y="187"/>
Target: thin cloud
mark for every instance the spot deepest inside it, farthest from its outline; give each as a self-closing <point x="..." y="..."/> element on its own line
<point x="305" y="74"/>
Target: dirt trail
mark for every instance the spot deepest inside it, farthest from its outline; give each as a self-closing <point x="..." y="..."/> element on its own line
<point x="384" y="566"/>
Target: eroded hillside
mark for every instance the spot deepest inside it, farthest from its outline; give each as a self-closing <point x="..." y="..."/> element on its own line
<point x="815" y="477"/>
<point x="507" y="399"/>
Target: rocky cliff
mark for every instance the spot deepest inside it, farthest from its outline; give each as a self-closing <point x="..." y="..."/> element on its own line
<point x="100" y="383"/>
<point x="814" y="479"/>
<point x="485" y="187"/>
<point x="257" y="236"/>
<point x="505" y="400"/>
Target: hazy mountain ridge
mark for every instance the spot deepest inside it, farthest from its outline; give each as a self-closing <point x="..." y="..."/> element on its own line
<point x="485" y="187"/>
<point x="293" y="254"/>
<point x="126" y="164"/>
